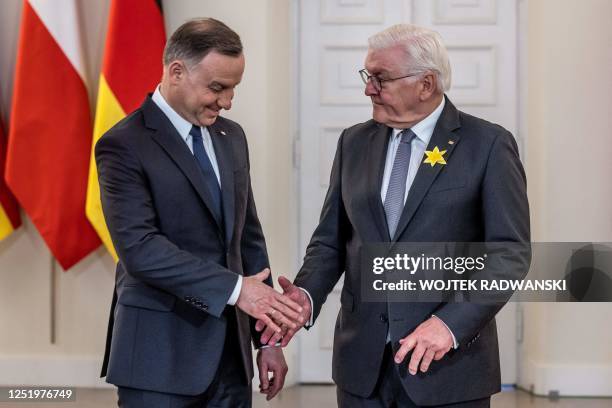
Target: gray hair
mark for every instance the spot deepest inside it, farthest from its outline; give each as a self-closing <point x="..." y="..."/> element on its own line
<point x="196" y="38"/>
<point x="424" y="48"/>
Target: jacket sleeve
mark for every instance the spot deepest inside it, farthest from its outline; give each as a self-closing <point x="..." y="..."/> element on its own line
<point x="143" y="250"/>
<point x="253" y="248"/>
<point x="253" y="244"/>
<point x="505" y="212"/>
<point x="324" y="261"/>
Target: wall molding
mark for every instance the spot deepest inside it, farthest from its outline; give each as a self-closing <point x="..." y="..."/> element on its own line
<point x="352" y="12"/>
<point x="78" y="371"/>
<point x="472" y="12"/>
<point x="74" y="371"/>
<point x="570" y="380"/>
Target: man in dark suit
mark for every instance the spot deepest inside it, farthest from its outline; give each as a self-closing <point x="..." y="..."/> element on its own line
<point x="420" y="171"/>
<point x="193" y="265"/>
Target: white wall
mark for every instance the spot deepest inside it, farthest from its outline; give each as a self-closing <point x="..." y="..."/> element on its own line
<point x="569" y="144"/>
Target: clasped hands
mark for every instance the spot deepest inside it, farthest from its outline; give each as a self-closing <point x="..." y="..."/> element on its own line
<point x="270" y="336"/>
<point x="282" y="314"/>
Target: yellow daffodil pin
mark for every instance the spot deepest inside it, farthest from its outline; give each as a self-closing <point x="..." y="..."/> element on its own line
<point x="435" y="156"/>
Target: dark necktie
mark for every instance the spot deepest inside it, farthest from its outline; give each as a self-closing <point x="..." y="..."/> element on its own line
<point x="207" y="170"/>
<point x="394" y="199"/>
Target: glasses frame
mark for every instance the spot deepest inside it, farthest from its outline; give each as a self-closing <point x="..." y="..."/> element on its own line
<point x="378" y="82"/>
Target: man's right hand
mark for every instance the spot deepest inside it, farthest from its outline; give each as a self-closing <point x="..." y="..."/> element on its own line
<point x="270" y="335"/>
<point x="265" y="304"/>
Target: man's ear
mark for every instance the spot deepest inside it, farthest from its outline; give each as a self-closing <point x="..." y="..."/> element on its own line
<point x="176" y="71"/>
<point x="429" y="85"/>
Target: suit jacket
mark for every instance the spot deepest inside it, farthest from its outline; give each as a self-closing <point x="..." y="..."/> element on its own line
<point x="478" y="196"/>
<point x="178" y="263"/>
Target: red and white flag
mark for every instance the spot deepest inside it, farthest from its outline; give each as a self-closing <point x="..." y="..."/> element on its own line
<point x="50" y="134"/>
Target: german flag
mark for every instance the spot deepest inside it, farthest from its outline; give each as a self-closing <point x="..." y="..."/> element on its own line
<point x="132" y="66"/>
<point x="9" y="212"/>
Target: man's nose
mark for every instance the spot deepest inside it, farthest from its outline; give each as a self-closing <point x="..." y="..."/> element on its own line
<point x="225" y="103"/>
<point x="225" y="100"/>
<point x="370" y="90"/>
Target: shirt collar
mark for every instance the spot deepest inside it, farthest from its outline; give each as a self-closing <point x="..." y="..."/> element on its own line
<point x="424" y="129"/>
<point x="183" y="127"/>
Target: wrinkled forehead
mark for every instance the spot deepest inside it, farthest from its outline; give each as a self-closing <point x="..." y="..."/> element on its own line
<point x="219" y="66"/>
<point x="386" y="60"/>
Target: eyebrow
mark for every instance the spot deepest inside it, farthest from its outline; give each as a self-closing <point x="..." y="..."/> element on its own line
<point x="223" y="85"/>
<point x="378" y="71"/>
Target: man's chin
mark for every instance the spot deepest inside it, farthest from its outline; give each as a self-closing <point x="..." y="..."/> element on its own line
<point x="378" y="115"/>
<point x="208" y="120"/>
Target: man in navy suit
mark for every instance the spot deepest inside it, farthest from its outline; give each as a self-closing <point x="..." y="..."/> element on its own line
<point x="193" y="267"/>
<point x="419" y="171"/>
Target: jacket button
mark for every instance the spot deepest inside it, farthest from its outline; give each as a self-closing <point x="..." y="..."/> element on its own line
<point x="383" y="318"/>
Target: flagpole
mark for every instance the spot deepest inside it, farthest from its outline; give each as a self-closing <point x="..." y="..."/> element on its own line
<point x="52" y="299"/>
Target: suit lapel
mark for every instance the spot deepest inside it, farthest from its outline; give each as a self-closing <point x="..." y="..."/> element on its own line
<point x="225" y="160"/>
<point x="169" y="139"/>
<point x="426" y="174"/>
<point x="377" y="153"/>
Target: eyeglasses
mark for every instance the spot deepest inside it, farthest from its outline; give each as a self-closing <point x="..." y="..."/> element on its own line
<point x="377" y="82"/>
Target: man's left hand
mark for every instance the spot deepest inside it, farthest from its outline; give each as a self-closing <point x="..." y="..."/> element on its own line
<point x="431" y="340"/>
<point x="271" y="360"/>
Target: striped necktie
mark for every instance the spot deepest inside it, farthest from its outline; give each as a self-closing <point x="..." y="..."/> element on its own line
<point x="394" y="200"/>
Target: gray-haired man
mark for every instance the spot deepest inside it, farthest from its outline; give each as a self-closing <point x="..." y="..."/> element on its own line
<point x="470" y="188"/>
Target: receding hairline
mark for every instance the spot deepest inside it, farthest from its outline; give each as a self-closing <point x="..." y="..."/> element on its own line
<point x="424" y="50"/>
<point x="196" y="38"/>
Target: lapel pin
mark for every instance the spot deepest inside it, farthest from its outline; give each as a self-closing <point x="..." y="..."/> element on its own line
<point x="435" y="156"/>
<point x="222" y="132"/>
<point x="451" y="142"/>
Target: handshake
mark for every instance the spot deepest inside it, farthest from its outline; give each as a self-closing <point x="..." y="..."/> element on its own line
<point x="281" y="315"/>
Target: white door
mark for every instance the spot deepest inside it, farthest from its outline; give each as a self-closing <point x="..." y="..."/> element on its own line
<point x="481" y="36"/>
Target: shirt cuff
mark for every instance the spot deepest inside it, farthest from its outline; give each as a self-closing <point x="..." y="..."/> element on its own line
<point x="268" y="346"/>
<point x="455" y="344"/>
<point x="234" y="296"/>
<point x="310" y="322"/>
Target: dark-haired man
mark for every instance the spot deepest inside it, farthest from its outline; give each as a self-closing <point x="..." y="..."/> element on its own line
<point x="193" y="266"/>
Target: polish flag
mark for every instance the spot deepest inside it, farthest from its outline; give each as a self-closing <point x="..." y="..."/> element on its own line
<point x="50" y="134"/>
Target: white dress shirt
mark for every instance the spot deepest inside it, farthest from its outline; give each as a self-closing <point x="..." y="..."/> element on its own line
<point x="423" y="131"/>
<point x="183" y="127"/>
